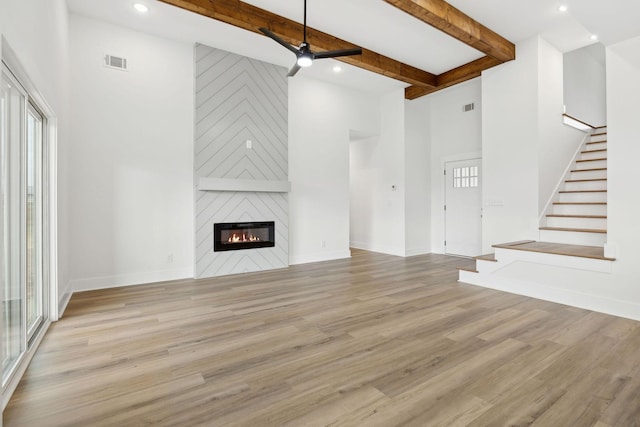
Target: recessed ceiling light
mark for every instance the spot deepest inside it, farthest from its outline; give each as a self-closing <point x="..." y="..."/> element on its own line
<point x="593" y="37"/>
<point x="337" y="68"/>
<point x="562" y="8"/>
<point x="142" y="8"/>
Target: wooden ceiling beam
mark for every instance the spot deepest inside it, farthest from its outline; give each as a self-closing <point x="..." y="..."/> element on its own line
<point x="452" y="77"/>
<point x="251" y="18"/>
<point x="446" y="18"/>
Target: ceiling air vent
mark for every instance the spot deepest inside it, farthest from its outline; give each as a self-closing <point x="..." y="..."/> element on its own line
<point x="469" y="107"/>
<point x="115" y="62"/>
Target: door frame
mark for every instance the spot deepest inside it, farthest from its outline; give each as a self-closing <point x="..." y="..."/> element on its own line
<point x="443" y="168"/>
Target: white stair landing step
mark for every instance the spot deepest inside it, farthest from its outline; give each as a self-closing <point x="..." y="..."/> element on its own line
<point x="581" y="251"/>
<point x="582" y="257"/>
<point x="564" y="274"/>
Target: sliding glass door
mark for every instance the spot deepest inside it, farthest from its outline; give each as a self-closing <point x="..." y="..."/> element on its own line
<point x="23" y="231"/>
<point x="12" y="121"/>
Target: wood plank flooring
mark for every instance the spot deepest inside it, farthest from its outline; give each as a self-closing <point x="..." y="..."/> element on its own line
<point x="374" y="340"/>
<point x="594" y="252"/>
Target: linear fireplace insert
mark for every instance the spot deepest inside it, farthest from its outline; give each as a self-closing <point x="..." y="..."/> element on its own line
<point x="232" y="236"/>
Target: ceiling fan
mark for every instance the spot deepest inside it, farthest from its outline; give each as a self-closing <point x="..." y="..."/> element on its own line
<point x="304" y="54"/>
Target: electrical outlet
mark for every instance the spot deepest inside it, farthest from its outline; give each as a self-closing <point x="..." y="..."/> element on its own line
<point x="170" y="258"/>
<point x="324" y="244"/>
<point x="249" y="144"/>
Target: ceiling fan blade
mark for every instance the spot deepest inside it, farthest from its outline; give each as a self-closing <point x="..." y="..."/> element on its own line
<point x="337" y="53"/>
<point x="278" y="40"/>
<point x="294" y="70"/>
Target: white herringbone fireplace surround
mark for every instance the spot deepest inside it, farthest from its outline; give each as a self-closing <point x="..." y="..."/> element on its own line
<point x="240" y="158"/>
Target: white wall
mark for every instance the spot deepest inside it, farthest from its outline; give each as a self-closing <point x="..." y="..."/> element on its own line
<point x="378" y="182"/>
<point x="623" y="89"/>
<point x="509" y="148"/>
<point x="37" y="32"/>
<point x="454" y="135"/>
<point x="130" y="168"/>
<point x="417" y="178"/>
<point x="362" y="183"/>
<point x="585" y="93"/>
<point x="557" y="142"/>
<point x="320" y="118"/>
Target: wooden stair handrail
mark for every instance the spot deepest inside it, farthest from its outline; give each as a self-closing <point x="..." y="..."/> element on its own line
<point x="580" y="121"/>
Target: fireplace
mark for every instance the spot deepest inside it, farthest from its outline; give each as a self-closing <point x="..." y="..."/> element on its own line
<point x="230" y="236"/>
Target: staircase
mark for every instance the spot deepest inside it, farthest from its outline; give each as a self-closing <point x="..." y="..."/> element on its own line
<point x="578" y="215"/>
<point x="568" y="261"/>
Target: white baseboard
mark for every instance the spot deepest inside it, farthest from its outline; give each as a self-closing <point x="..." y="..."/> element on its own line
<point x="318" y="257"/>
<point x="64" y="301"/>
<point x="389" y="250"/>
<point x="417" y="251"/>
<point x="105" y="282"/>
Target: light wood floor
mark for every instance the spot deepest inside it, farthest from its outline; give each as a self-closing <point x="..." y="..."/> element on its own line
<point x="375" y="340"/>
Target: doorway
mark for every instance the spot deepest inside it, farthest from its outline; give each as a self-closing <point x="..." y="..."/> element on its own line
<point x="463" y="208"/>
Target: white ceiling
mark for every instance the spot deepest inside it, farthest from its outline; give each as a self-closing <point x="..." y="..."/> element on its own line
<point x="382" y="28"/>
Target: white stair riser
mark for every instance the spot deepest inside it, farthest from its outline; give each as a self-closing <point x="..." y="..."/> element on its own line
<point x="592" y="164"/>
<point x="582" y="197"/>
<point x="507" y="256"/>
<point x="585" y="185"/>
<point x="588" y="175"/>
<point x="593" y="154"/>
<point x="591" y="223"/>
<point x="598" y="146"/>
<point x="580" y="209"/>
<point x="573" y="238"/>
<point x="485" y="267"/>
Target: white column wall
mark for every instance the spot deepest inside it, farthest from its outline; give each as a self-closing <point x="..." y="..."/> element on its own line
<point x="320" y="118"/>
<point x="388" y="225"/>
<point x="131" y="160"/>
<point x="623" y="89"/>
<point x="509" y="148"/>
<point x="417" y="177"/>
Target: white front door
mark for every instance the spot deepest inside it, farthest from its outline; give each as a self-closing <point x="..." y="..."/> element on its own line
<point x="463" y="208"/>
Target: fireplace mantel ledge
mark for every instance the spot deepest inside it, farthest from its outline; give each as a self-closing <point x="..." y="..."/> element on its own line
<point x="253" y="185"/>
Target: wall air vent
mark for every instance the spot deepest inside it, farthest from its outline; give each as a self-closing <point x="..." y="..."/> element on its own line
<point x="117" y="62"/>
<point x="469" y="107"/>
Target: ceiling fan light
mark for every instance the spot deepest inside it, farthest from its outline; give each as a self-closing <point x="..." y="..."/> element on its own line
<point x="305" y="60"/>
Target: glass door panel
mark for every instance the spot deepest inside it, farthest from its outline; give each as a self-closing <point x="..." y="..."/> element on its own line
<point x="12" y="121"/>
<point x="33" y="217"/>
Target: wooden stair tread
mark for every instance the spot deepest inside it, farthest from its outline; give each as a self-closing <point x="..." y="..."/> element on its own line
<point x="579" y="203"/>
<point x="577" y="216"/>
<point x="600" y="150"/>
<point x="591" y="160"/>
<point x="574" y="230"/>
<point x="586" y="180"/>
<point x="582" y="191"/>
<point x="593" y="252"/>
<point x="589" y="170"/>
<point x="471" y="270"/>
<point x="597" y="142"/>
<point x="598" y="134"/>
<point x="486" y="257"/>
